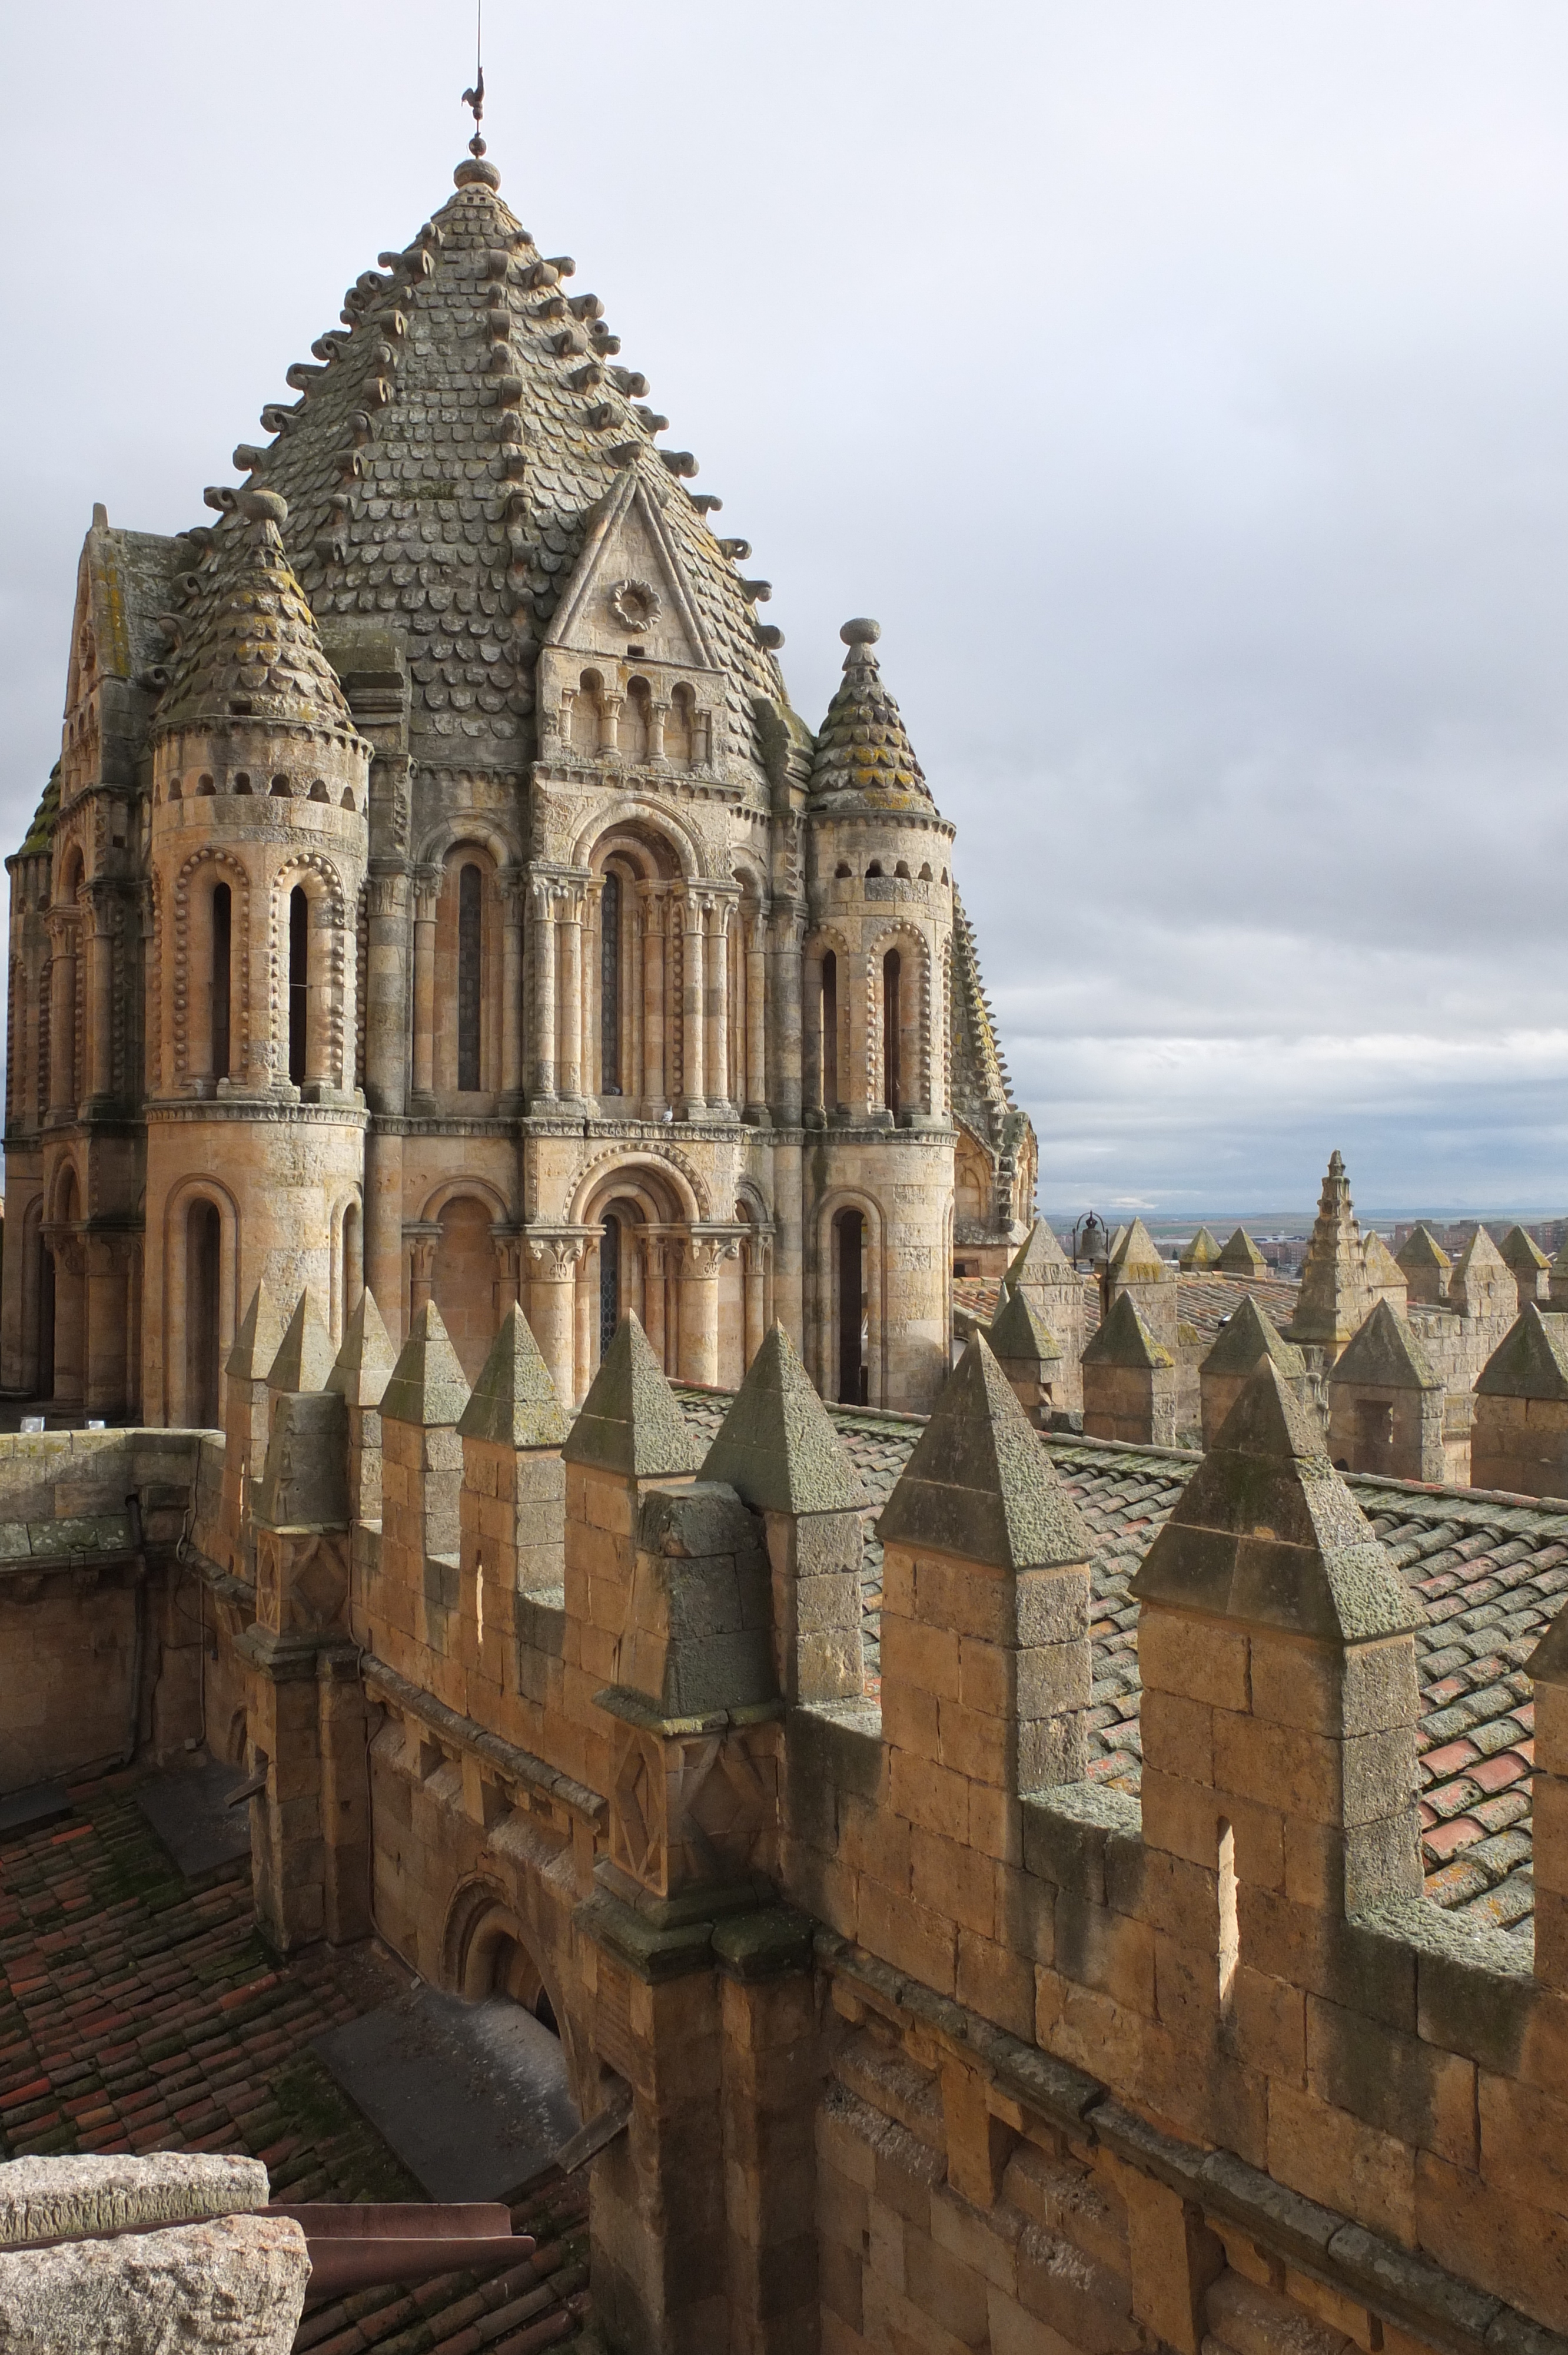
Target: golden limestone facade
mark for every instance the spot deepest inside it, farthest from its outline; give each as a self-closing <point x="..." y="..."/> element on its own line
<point x="438" y="893"/>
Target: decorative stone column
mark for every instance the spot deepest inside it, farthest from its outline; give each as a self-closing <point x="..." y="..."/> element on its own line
<point x="100" y="1088"/>
<point x="693" y="1007"/>
<point x="421" y="1237"/>
<point x="386" y="990"/>
<point x="571" y="931"/>
<point x="716" y="926"/>
<point x="699" y="1304"/>
<point x="543" y="1057"/>
<point x="555" y="1254"/>
<point x="756" y="1019"/>
<point x="655" y="913"/>
<point x="62" y="928"/>
<point x="426" y="888"/>
<point x="511" y="886"/>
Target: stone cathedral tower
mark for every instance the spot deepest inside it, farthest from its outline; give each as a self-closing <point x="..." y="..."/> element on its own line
<point x="438" y="892"/>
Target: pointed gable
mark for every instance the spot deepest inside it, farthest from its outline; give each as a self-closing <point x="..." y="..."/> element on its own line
<point x="1523" y="1254"/>
<point x="515" y="1401"/>
<point x="1482" y="1280"/>
<point x="1267" y="1533"/>
<point x="1531" y="1359"/>
<point x="1248" y="1336"/>
<point x="1384" y="1276"/>
<point x="978" y="1484"/>
<point x="629" y="584"/>
<point x="630" y="1421"/>
<point x="1425" y="1266"/>
<point x="776" y="1447"/>
<point x="1387" y="1355"/>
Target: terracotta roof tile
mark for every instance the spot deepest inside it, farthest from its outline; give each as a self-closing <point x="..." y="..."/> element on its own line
<point x="138" y="2011"/>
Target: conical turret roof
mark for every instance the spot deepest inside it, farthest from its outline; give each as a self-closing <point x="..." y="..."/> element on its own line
<point x="864" y="757"/>
<point x="248" y="647"/>
<point x="442" y="466"/>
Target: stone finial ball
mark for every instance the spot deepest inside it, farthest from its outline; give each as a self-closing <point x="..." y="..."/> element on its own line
<point x="264" y="506"/>
<point x="861" y="633"/>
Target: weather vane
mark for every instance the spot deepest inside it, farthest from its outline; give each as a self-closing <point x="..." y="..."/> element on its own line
<point x="475" y="97"/>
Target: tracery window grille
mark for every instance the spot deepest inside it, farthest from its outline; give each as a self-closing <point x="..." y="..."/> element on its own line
<point x="470" y="923"/>
<point x="609" y="984"/>
<point x="608" y="1282"/>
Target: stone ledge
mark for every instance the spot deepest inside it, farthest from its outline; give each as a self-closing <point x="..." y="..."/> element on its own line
<point x="516" y="1766"/>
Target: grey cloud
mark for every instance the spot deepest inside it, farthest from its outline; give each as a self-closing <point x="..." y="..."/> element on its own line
<point x="1180" y="385"/>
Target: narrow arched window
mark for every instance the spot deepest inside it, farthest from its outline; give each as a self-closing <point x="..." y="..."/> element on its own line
<point x="470" y="964"/>
<point x="609" y="984"/>
<point x="830" y="1032"/>
<point x="222" y="936"/>
<point x="203" y="1258"/>
<point x="849" y="1228"/>
<point x="299" y="982"/>
<point x="892" y="1030"/>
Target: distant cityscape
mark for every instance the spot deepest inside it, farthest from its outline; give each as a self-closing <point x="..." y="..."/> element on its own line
<point x="1283" y="1238"/>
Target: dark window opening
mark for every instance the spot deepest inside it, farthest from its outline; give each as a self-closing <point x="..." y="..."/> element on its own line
<point x="46" y="1383"/>
<point x="1375" y="1435"/>
<point x="470" y="941"/>
<point x="222" y="933"/>
<point x="608" y="1282"/>
<point x="204" y="1247"/>
<point x="299" y="981"/>
<point x="830" y="1032"/>
<point x="610" y="986"/>
<point x="892" y="1030"/>
<point x="850" y="1227"/>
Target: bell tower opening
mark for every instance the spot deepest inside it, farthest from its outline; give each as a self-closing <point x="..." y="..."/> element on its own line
<point x="470" y="976"/>
<point x="830" y="1059"/>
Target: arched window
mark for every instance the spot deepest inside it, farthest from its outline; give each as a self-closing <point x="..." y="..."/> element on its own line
<point x="829" y="1064"/>
<point x="892" y="1030"/>
<point x="351" y="1280"/>
<point x="635" y="715"/>
<point x="680" y="727"/>
<point x="585" y="714"/>
<point x="203" y="1258"/>
<point x="469" y="974"/>
<point x="609" y="984"/>
<point x="608" y="1282"/>
<point x="299" y="982"/>
<point x="849" y="1252"/>
<point x="222" y="940"/>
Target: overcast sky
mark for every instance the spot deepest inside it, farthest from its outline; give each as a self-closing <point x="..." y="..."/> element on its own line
<point x="1184" y="388"/>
